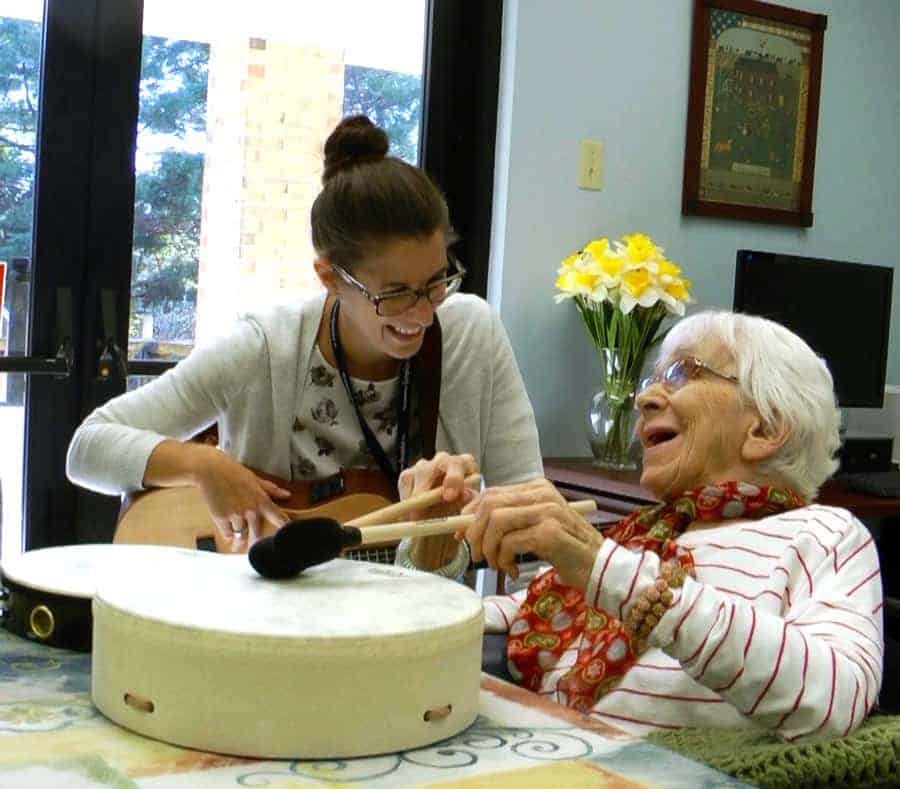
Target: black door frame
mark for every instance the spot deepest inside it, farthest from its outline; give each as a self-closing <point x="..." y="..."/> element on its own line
<point x="79" y="60"/>
<point x="462" y="80"/>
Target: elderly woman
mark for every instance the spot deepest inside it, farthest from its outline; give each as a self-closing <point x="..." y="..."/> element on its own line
<point x="737" y="600"/>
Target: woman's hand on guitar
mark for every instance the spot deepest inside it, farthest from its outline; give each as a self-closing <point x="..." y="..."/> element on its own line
<point x="240" y="502"/>
<point x="442" y="471"/>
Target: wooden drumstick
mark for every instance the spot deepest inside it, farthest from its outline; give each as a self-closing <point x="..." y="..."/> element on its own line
<point x="301" y="544"/>
<point x="422" y="501"/>
<point x="433" y="526"/>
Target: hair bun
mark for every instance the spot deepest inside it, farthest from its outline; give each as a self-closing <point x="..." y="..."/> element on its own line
<point x="355" y="140"/>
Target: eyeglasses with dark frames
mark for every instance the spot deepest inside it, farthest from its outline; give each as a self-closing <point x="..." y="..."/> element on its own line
<point x="681" y="372"/>
<point x="398" y="300"/>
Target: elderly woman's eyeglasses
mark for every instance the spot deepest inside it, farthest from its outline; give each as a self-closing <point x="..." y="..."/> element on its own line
<point x="681" y="372"/>
<point x="398" y="300"/>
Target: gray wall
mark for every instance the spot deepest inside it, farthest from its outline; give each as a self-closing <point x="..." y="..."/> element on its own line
<point x="617" y="71"/>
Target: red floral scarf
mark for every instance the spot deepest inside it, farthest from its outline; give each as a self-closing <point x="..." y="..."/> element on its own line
<point x="554" y="615"/>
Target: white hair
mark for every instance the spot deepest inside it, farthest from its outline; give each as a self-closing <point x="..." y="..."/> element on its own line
<point x="787" y="383"/>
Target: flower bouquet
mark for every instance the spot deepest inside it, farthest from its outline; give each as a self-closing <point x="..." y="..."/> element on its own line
<point x="623" y="291"/>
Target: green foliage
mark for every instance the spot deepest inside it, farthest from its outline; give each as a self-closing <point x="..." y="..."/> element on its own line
<point x="391" y="100"/>
<point x="166" y="243"/>
<point x="173" y="85"/>
<point x="20" y="48"/>
<point x="165" y="257"/>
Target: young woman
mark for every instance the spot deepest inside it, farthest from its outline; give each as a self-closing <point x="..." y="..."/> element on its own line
<point x="388" y="363"/>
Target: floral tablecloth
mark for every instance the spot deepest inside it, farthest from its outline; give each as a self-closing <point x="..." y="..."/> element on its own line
<point x="52" y="736"/>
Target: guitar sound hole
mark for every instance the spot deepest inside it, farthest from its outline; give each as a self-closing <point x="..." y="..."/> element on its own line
<point x="378" y="555"/>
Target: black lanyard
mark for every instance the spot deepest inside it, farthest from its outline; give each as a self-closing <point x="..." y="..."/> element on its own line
<point x="402" y="417"/>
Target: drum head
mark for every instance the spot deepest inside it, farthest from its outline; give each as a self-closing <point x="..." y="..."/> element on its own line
<point x="341" y="600"/>
<point x="76" y="570"/>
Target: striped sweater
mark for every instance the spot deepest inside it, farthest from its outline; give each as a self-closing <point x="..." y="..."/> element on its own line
<point x="781" y="628"/>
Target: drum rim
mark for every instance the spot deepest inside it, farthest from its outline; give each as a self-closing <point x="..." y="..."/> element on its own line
<point x="13" y="586"/>
<point x="303" y="646"/>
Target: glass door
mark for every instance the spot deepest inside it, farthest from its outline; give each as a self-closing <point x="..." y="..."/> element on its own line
<point x="64" y="125"/>
<point x="21" y="36"/>
<point x="235" y="103"/>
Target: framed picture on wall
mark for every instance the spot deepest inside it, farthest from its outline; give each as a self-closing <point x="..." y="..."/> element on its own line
<point x="753" y="111"/>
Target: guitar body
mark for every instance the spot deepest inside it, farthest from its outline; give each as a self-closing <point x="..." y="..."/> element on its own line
<point x="179" y="516"/>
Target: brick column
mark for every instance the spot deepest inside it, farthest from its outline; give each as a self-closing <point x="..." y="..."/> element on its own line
<point x="270" y="107"/>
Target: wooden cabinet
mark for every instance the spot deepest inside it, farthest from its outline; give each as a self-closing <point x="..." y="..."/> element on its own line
<point x="619" y="493"/>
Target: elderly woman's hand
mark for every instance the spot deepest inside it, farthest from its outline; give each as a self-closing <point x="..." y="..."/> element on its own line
<point x="532" y="518"/>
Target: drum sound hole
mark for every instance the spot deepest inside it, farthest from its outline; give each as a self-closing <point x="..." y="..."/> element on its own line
<point x="41" y="622"/>
<point x="139" y="702"/>
<point x="438" y="713"/>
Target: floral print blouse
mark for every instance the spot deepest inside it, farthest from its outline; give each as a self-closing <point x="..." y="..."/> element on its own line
<point x="325" y="435"/>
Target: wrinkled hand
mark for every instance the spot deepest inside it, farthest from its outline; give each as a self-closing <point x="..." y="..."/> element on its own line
<point x="240" y="502"/>
<point x="442" y="471"/>
<point x="532" y="518"/>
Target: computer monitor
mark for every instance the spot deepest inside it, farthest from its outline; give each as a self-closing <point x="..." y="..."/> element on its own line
<point x="842" y="310"/>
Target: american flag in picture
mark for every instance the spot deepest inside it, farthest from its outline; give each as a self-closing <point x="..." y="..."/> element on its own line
<point x="720" y="21"/>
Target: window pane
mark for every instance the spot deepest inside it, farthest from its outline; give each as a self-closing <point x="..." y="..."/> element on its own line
<point x="235" y="105"/>
<point x="21" y="24"/>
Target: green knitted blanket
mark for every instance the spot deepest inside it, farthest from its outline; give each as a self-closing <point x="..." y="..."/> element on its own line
<point x="868" y="757"/>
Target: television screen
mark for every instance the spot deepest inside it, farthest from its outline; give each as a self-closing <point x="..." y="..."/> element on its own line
<point x="842" y="310"/>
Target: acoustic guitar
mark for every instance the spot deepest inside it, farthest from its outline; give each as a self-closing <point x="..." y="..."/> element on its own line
<point x="357" y="497"/>
<point x="178" y="516"/>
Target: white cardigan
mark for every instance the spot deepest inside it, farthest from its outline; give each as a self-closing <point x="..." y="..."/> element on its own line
<point x="251" y="381"/>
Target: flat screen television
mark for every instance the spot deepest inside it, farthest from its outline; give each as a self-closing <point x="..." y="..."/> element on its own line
<point x="842" y="310"/>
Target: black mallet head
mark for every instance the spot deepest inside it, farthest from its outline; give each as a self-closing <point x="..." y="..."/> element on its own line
<point x="301" y="544"/>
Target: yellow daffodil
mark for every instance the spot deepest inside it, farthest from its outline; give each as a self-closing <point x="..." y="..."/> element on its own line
<point x="574" y="282"/>
<point x="598" y="248"/>
<point x="639" y="247"/>
<point x="679" y="289"/>
<point x="675" y="294"/>
<point x="611" y="265"/>
<point x="668" y="269"/>
<point x="631" y="272"/>
<point x="636" y="281"/>
<point x="571" y="260"/>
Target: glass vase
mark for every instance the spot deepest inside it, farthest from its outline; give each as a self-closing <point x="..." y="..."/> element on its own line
<point x="612" y="415"/>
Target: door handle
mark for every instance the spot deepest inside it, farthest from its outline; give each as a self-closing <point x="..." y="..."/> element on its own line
<point x="63" y="364"/>
<point x="111" y="364"/>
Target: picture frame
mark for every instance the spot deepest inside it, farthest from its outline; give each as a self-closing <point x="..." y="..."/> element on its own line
<point x="753" y="110"/>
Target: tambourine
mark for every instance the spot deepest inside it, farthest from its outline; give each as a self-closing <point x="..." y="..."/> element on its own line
<point x="47" y="593"/>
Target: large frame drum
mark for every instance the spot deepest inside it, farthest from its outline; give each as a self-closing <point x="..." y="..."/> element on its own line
<point x="348" y="659"/>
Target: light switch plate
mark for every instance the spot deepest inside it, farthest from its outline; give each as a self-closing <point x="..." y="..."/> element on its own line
<point x="590" y="165"/>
